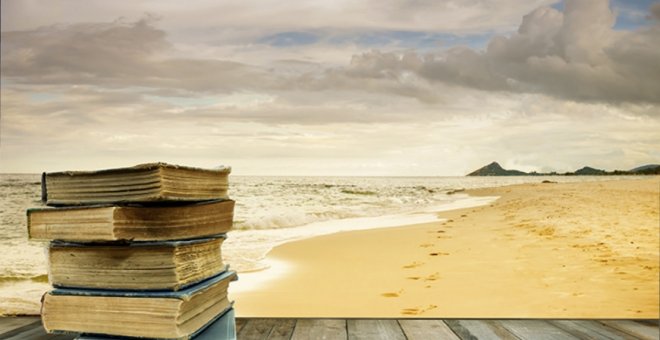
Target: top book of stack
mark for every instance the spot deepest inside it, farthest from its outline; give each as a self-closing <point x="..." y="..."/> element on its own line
<point x="144" y="183"/>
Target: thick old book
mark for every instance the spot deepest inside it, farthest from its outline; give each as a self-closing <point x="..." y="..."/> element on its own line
<point x="163" y="315"/>
<point x="222" y="328"/>
<point x="170" y="265"/>
<point x="131" y="223"/>
<point x="144" y="183"/>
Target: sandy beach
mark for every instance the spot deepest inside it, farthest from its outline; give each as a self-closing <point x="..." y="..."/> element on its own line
<point x="551" y="250"/>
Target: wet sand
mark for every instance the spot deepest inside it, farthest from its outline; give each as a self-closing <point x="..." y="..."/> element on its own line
<point x="574" y="250"/>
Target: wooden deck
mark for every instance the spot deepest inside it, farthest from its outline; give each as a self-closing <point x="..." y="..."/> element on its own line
<point x="27" y="328"/>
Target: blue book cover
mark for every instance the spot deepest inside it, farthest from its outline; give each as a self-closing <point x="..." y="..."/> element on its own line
<point x="172" y="243"/>
<point x="52" y="326"/>
<point x="183" y="294"/>
<point x="221" y="328"/>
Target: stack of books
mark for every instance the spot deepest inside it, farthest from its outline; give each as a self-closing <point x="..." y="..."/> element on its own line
<point x="136" y="252"/>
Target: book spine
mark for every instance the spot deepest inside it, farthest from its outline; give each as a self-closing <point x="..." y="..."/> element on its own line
<point x="44" y="189"/>
<point x="29" y="224"/>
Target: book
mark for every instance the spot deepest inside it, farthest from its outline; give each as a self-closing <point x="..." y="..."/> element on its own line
<point x="170" y="265"/>
<point x="151" y="182"/>
<point x="132" y="223"/>
<point x="164" y="315"/>
<point x="222" y="328"/>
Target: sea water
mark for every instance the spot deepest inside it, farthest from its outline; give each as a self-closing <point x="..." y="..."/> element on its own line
<point x="269" y="211"/>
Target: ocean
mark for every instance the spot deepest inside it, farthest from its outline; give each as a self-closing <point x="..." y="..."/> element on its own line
<point x="269" y="211"/>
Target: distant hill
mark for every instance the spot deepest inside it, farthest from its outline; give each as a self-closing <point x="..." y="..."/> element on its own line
<point x="589" y="171"/>
<point x="494" y="169"/>
<point x="649" y="169"/>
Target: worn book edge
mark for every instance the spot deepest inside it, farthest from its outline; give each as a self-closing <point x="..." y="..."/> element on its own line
<point x="183" y="294"/>
<point x="222" y="327"/>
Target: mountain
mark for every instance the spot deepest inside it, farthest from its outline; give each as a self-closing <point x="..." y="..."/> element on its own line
<point x="494" y="169"/>
<point x="589" y="171"/>
<point x="649" y="169"/>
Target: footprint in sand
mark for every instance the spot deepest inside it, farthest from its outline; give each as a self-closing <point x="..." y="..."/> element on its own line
<point x="413" y="278"/>
<point x="417" y="311"/>
<point x="392" y="294"/>
<point x="426" y="245"/>
<point x="440" y="231"/>
<point x="432" y="277"/>
<point x="410" y="311"/>
<point x="413" y="265"/>
<point x="547" y="231"/>
<point x="437" y="254"/>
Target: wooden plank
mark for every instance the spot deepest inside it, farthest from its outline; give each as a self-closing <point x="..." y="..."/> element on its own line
<point x="589" y="329"/>
<point x="282" y="330"/>
<point x="239" y="324"/>
<point x="636" y="329"/>
<point x="61" y="337"/>
<point x="30" y="328"/>
<point x="535" y="329"/>
<point x="38" y="333"/>
<point x="35" y="324"/>
<point x="10" y="323"/>
<point x="328" y="329"/>
<point x="374" y="329"/>
<point x="426" y="329"/>
<point x="499" y="329"/>
<point x="480" y="329"/>
<point x="651" y="322"/>
<point x="257" y="329"/>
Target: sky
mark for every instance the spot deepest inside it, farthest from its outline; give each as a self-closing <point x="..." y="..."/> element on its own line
<point x="330" y="87"/>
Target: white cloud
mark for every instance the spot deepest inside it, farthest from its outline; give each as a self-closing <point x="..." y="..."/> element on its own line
<point x="574" y="55"/>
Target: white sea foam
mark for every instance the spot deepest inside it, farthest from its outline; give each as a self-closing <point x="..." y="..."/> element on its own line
<point x="247" y="250"/>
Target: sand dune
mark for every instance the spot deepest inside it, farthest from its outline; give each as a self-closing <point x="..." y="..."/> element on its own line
<point x="574" y="250"/>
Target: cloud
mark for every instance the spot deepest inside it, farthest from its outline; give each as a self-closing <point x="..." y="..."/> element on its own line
<point x="574" y="55"/>
<point x="329" y="97"/>
<point x="279" y="16"/>
<point x="94" y="50"/>
<point x="654" y="11"/>
<point x="137" y="56"/>
<point x="88" y="128"/>
<point x="116" y="54"/>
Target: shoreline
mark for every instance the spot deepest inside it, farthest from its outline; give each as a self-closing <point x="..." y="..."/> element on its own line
<point x="575" y="250"/>
<point x="249" y="256"/>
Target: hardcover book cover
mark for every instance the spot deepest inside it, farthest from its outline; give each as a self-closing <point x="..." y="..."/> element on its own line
<point x="222" y="328"/>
